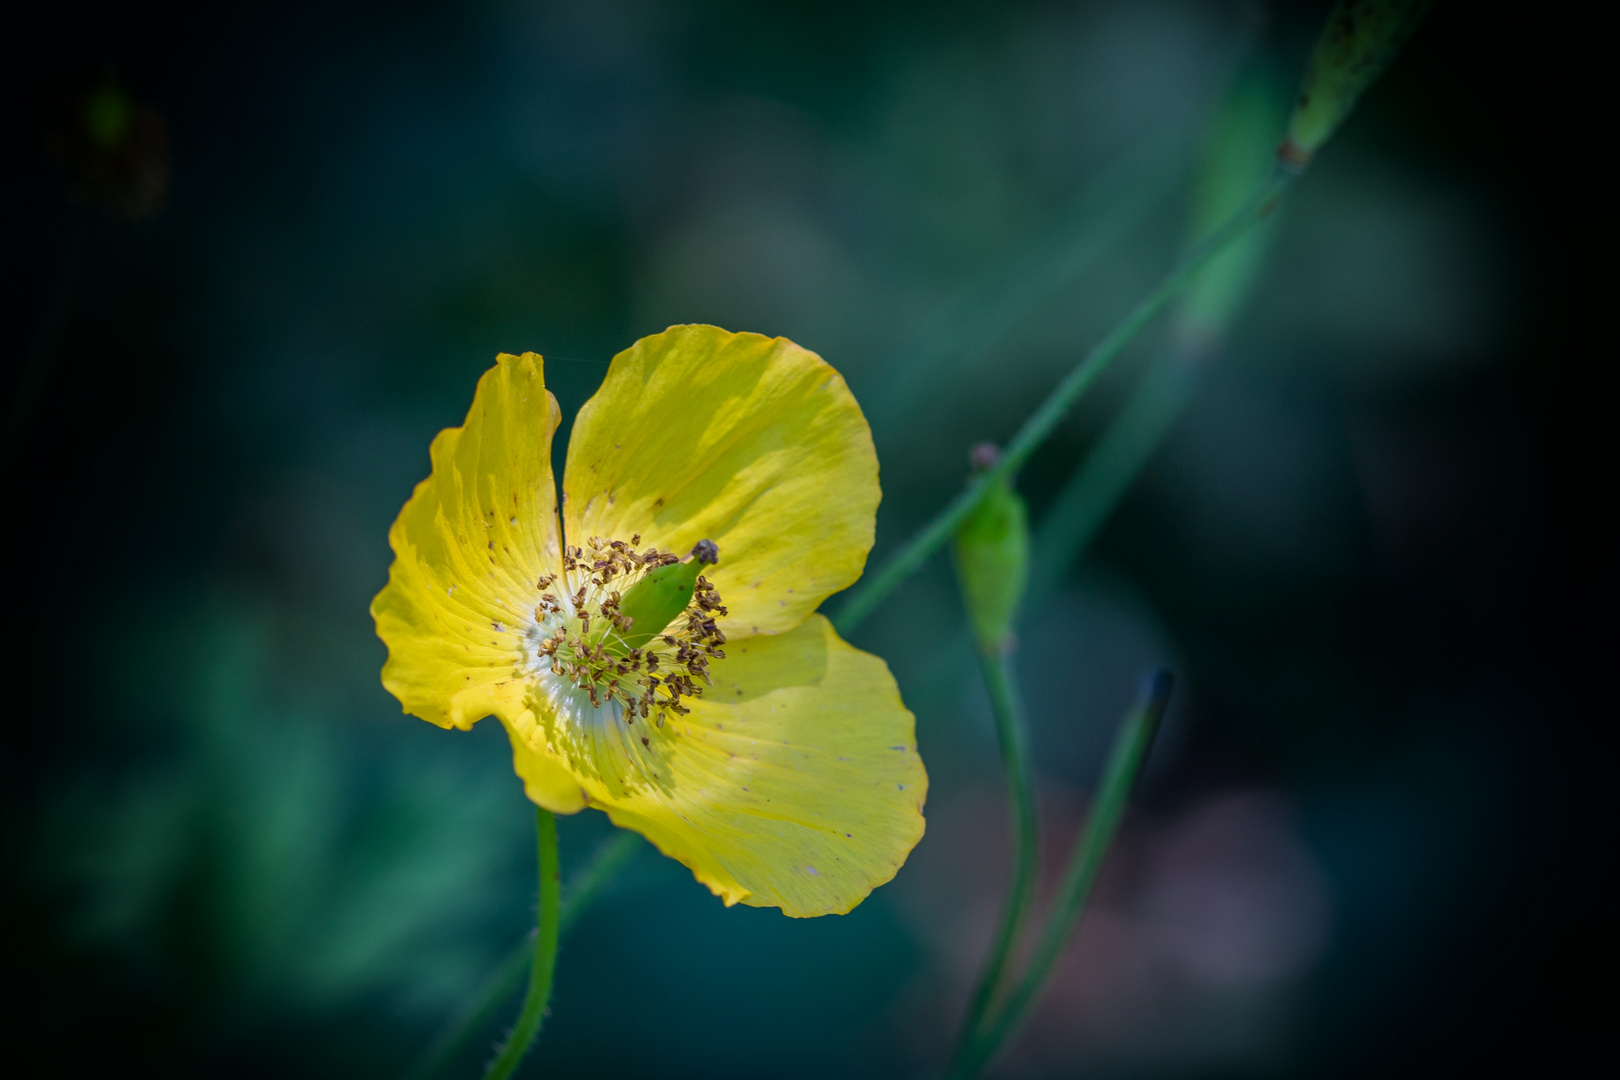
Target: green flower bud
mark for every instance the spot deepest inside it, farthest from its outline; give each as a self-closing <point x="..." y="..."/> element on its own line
<point x="992" y="560"/>
<point x="1361" y="38"/>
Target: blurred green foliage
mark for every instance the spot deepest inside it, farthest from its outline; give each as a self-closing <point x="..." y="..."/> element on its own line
<point x="238" y="844"/>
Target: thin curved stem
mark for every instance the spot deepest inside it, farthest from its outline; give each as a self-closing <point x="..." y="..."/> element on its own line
<point x="1012" y="732"/>
<point x="1044" y="420"/>
<point x="452" y="1039"/>
<point x="547" y="925"/>
<point x="1125" y="760"/>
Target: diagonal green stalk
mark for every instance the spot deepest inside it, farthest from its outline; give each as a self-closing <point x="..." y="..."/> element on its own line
<point x="458" y="1032"/>
<point x="1093" y="490"/>
<point x="1044" y="420"/>
<point x="1100" y="481"/>
<point x="1242" y="144"/>
<point x="612" y="857"/>
<point x="1125" y="760"/>
<point x="547" y="925"/>
<point x="453" y="1038"/>
<point x="1012" y="732"/>
<point x="990" y="306"/>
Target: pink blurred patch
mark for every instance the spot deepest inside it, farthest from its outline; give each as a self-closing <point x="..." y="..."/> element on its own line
<point x="1201" y="927"/>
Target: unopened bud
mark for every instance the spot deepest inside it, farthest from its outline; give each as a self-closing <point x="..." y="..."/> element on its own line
<point x="1361" y="38"/>
<point x="992" y="563"/>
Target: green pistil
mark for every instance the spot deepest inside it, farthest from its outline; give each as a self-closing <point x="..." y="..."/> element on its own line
<point x="634" y="646"/>
<point x="658" y="599"/>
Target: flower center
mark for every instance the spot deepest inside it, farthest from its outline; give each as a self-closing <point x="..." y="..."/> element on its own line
<point x="632" y="629"/>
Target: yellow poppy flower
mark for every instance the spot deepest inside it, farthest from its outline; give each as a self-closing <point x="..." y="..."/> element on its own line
<point x="720" y="485"/>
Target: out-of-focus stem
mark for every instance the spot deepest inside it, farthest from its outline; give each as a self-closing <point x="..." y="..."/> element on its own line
<point x="1040" y="425"/>
<point x="1130" y="749"/>
<point x="1013" y="735"/>
<point x="1243" y="137"/>
<point x="1089" y="497"/>
<point x="448" y="1045"/>
<point x="453" y="1039"/>
<point x="989" y="307"/>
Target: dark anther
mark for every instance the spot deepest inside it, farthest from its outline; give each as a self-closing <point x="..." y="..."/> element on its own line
<point x="707" y="552"/>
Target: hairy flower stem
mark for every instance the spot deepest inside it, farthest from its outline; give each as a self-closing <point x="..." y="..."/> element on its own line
<point x="1044" y="420"/>
<point x="1125" y="760"/>
<point x="1013" y="735"/>
<point x="458" y="1032"/>
<point x="547" y="926"/>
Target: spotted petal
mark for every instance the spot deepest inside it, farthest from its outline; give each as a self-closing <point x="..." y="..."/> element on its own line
<point x="794" y="782"/>
<point x="753" y="442"/>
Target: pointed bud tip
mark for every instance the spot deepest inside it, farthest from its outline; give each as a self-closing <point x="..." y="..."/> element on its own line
<point x="984" y="456"/>
<point x="1360" y="40"/>
<point x="1156" y="686"/>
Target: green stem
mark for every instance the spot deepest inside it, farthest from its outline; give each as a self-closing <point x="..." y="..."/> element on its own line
<point x="1091" y="493"/>
<point x="1013" y="734"/>
<point x="449" y="1044"/>
<point x="547" y="926"/>
<point x="613" y="856"/>
<point x="994" y="303"/>
<point x="1130" y="750"/>
<point x="1103" y="476"/>
<point x="454" y="1037"/>
<point x="1044" y="420"/>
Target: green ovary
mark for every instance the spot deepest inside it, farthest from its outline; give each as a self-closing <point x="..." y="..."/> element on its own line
<point x="660" y="597"/>
<point x="632" y="629"/>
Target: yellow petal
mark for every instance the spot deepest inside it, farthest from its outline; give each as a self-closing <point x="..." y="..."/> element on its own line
<point x="468" y="548"/>
<point x="753" y="442"/>
<point x="546" y="780"/>
<point x="794" y="782"/>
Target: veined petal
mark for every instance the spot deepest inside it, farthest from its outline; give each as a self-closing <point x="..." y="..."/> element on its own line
<point x="546" y="780"/>
<point x="753" y="442"/>
<point x="468" y="549"/>
<point x="794" y="782"/>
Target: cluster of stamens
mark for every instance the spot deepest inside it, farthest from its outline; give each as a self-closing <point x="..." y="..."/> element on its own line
<point x="587" y="647"/>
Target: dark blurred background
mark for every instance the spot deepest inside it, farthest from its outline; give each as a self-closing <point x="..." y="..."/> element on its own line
<point x="256" y="256"/>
